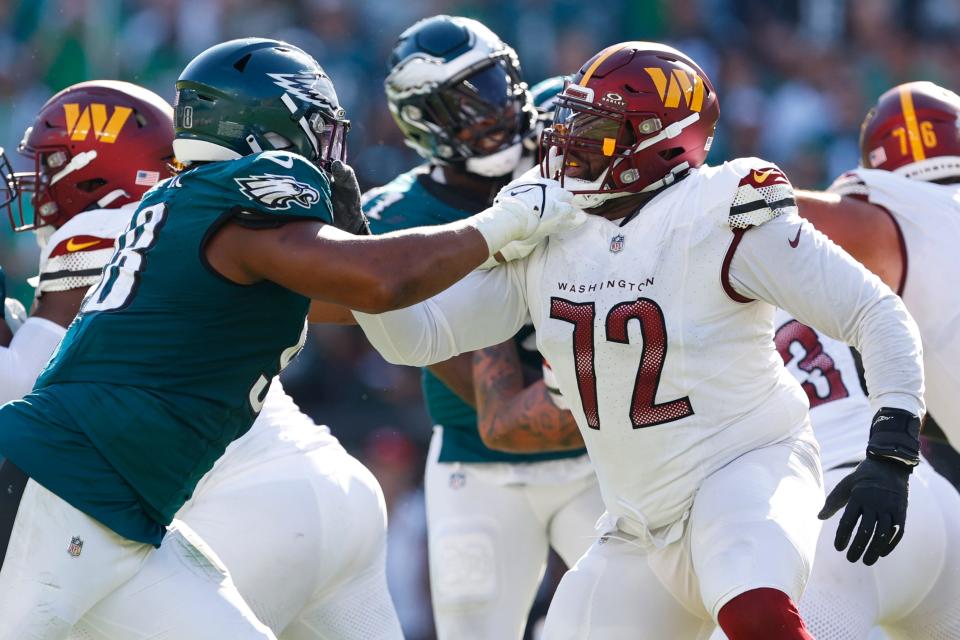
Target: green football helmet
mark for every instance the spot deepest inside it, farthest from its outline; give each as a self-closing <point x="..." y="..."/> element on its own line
<point x="254" y="94"/>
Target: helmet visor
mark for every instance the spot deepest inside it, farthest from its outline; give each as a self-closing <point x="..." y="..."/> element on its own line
<point x="484" y="110"/>
<point x="584" y="142"/>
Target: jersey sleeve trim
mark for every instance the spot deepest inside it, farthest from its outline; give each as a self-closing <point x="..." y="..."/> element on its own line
<point x="762" y="195"/>
<point x="725" y="268"/>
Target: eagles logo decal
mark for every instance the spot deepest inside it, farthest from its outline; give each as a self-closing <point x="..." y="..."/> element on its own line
<point x="278" y="192"/>
<point x="309" y="87"/>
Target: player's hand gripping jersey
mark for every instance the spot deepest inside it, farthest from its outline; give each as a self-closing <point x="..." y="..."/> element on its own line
<point x="650" y="326"/>
<point x="927" y="215"/>
<point x="121" y="419"/>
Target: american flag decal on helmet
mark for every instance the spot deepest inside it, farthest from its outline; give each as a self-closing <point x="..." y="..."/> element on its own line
<point x="762" y="195"/>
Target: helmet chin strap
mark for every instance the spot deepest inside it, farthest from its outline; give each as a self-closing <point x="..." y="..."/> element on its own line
<point x="497" y="164"/>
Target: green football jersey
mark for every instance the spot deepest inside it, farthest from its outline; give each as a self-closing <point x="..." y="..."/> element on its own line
<point x="414" y="199"/>
<point x="168" y="361"/>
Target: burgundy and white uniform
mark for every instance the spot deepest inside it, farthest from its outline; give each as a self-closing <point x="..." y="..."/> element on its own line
<point x="910" y="593"/>
<point x="659" y="328"/>
<point x="299" y="523"/>
<point x="928" y="216"/>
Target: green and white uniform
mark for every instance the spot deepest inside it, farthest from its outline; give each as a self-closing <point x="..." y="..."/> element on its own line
<point x="168" y="362"/>
<point x="505" y="510"/>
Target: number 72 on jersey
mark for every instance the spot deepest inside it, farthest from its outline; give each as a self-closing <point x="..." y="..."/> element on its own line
<point x="644" y="410"/>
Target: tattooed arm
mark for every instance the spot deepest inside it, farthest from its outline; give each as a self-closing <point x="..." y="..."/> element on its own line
<point x="513" y="418"/>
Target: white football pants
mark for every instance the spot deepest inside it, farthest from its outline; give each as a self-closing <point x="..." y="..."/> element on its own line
<point x="304" y="537"/>
<point x="489" y="529"/>
<point x="753" y="524"/>
<point x="60" y="563"/>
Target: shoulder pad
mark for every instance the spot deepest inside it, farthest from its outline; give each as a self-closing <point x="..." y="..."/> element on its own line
<point x="286" y="184"/>
<point x="76" y="253"/>
<point x="850" y="184"/>
<point x="763" y="193"/>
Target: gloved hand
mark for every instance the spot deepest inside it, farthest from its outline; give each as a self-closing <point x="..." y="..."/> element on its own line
<point x="875" y="494"/>
<point x="345" y="196"/>
<point x="527" y="209"/>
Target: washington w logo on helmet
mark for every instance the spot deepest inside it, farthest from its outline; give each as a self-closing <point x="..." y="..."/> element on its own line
<point x="278" y="192"/>
<point x="690" y="86"/>
<point x="94" y="116"/>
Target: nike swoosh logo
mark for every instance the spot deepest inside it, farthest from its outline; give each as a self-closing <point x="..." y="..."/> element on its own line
<point x="518" y="192"/>
<point x="796" y="241"/>
<point x="896" y="532"/>
<point x="73" y="245"/>
<point x="761" y="177"/>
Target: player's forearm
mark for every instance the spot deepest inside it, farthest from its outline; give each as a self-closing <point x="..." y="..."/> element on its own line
<point x="515" y="419"/>
<point x="414" y="265"/>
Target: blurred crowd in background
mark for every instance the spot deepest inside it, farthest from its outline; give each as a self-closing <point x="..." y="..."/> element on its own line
<point x="794" y="77"/>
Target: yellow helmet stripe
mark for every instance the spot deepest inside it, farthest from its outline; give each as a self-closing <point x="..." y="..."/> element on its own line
<point x="606" y="53"/>
<point x="910" y="118"/>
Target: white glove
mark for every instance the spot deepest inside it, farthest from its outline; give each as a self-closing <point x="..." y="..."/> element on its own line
<point x="529" y="208"/>
<point x="14" y="314"/>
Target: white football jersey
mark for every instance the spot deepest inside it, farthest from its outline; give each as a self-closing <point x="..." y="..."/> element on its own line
<point x="827" y="372"/>
<point x="928" y="216"/>
<point x="659" y="329"/>
<point x="668" y="376"/>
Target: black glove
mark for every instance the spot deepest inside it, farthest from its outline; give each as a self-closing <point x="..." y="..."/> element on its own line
<point x="875" y="494"/>
<point x="345" y="196"/>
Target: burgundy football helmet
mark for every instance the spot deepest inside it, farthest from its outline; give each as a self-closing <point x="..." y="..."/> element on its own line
<point x="913" y="130"/>
<point x="636" y="116"/>
<point x="98" y="144"/>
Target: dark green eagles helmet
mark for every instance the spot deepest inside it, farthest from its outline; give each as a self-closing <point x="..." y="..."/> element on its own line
<point x="544" y="95"/>
<point x="457" y="94"/>
<point x="253" y="94"/>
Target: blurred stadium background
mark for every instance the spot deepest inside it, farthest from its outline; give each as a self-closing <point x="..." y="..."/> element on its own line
<point x="795" y="78"/>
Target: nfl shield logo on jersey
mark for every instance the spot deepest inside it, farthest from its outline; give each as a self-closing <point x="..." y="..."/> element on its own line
<point x="458" y="479"/>
<point x="76" y="546"/>
<point x="616" y="244"/>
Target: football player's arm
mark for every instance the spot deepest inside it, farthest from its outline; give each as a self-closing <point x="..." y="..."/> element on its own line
<point x="485" y="308"/>
<point x="865" y="231"/>
<point x="327" y="313"/>
<point x="514" y="418"/>
<point x="788" y="263"/>
<point x="394" y="270"/>
<point x="824" y="287"/>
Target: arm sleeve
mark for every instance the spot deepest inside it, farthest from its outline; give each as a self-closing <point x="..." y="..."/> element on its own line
<point x="22" y="361"/>
<point x="822" y="286"/>
<point x="483" y="309"/>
